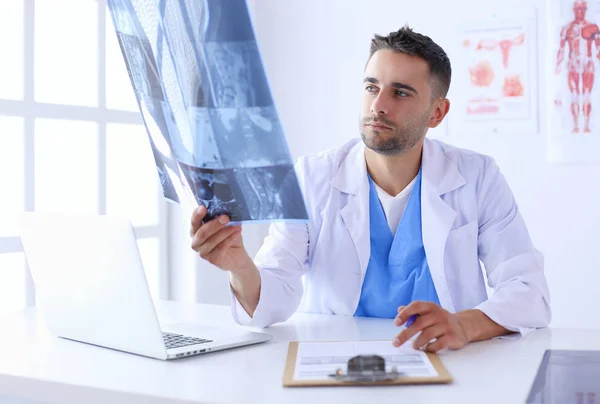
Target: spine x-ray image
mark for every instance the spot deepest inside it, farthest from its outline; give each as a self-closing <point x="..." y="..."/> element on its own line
<point x="203" y="94"/>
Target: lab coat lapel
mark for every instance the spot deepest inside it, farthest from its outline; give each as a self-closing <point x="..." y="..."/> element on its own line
<point x="440" y="176"/>
<point x="351" y="179"/>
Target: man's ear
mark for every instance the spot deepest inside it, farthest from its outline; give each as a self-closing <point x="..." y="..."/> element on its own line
<point x="440" y="110"/>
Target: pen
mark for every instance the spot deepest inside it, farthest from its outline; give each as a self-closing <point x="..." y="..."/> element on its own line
<point x="411" y="320"/>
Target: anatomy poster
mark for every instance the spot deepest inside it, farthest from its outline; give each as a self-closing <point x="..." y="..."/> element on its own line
<point x="574" y="99"/>
<point x="497" y="75"/>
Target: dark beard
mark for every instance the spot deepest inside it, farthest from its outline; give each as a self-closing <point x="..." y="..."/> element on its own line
<point x="397" y="144"/>
<point x="401" y="140"/>
<point x="390" y="148"/>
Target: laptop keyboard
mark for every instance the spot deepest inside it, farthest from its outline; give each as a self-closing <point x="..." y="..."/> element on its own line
<point x="178" y="341"/>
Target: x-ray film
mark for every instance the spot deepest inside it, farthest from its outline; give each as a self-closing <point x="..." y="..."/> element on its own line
<point x="204" y="97"/>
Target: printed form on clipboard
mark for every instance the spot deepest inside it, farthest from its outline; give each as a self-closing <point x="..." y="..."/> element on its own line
<point x="316" y="363"/>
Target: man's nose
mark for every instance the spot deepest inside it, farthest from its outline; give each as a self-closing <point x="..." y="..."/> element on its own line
<point x="379" y="106"/>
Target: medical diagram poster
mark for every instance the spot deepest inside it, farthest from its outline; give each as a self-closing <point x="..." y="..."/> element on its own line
<point x="496" y="73"/>
<point x="574" y="96"/>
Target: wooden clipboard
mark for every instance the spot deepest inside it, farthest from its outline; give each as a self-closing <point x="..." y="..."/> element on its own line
<point x="443" y="377"/>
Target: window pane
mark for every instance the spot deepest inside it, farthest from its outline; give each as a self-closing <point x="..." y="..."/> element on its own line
<point x="11" y="43"/>
<point x="66" y="47"/>
<point x="149" y="250"/>
<point x="12" y="282"/>
<point x="119" y="93"/>
<point x="66" y="166"/>
<point x="131" y="177"/>
<point x="11" y="167"/>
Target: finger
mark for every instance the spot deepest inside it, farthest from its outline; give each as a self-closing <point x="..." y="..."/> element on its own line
<point x="438" y="345"/>
<point x="429" y="333"/>
<point x="238" y="242"/>
<point x="415" y="308"/>
<point x="397" y="318"/>
<point x="197" y="216"/>
<point x="419" y="325"/>
<point x="219" y="253"/>
<point x="208" y="229"/>
<point x="216" y="239"/>
<point x="213" y="242"/>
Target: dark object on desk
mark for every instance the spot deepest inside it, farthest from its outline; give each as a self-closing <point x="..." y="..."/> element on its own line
<point x="567" y="377"/>
<point x="366" y="368"/>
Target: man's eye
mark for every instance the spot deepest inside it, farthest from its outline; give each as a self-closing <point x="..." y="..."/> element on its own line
<point x="370" y="88"/>
<point x="402" y="94"/>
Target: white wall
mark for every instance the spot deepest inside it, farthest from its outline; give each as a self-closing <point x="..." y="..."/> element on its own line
<point x="314" y="52"/>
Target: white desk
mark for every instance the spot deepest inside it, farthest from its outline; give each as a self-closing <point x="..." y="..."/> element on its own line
<point x="39" y="366"/>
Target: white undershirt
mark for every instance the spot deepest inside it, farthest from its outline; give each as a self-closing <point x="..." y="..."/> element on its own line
<point x="394" y="206"/>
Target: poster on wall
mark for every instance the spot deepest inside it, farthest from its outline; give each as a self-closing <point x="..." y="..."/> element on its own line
<point x="496" y="74"/>
<point x="574" y="99"/>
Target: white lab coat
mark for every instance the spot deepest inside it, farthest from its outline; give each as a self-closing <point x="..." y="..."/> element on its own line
<point x="469" y="216"/>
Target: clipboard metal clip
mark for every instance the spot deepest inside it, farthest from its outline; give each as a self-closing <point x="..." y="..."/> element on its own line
<point x="366" y="368"/>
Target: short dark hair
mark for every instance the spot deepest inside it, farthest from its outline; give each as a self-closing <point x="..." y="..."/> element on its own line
<point x="411" y="43"/>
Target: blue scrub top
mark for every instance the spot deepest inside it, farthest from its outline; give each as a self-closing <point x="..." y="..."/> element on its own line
<point x="398" y="272"/>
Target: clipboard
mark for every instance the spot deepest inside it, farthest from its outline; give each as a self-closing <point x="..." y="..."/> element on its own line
<point x="443" y="376"/>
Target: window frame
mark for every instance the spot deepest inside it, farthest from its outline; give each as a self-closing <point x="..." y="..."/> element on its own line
<point x="30" y="110"/>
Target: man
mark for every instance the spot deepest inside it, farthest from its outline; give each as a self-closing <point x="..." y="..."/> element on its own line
<point x="580" y="35"/>
<point x="399" y="223"/>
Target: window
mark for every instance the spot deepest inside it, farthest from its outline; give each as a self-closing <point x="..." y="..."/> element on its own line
<point x="66" y="53"/>
<point x="11" y="161"/>
<point x="65" y="165"/>
<point x="11" y="38"/>
<point x="71" y="136"/>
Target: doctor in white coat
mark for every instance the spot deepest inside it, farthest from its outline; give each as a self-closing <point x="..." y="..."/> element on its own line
<point x="399" y="224"/>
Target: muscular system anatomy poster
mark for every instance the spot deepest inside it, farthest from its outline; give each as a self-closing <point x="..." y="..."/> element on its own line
<point x="574" y="102"/>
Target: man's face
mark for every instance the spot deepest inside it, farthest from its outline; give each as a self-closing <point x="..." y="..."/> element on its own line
<point x="396" y="102"/>
<point x="579" y="8"/>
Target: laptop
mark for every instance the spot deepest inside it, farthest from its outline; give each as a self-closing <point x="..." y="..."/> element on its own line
<point x="92" y="288"/>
